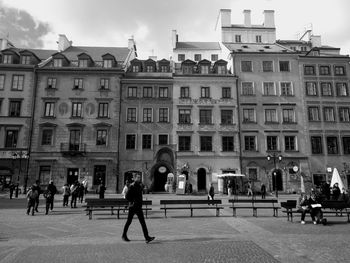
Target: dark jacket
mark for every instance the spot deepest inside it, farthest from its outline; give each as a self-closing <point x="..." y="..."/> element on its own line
<point x="52" y="189"/>
<point x="134" y="194"/>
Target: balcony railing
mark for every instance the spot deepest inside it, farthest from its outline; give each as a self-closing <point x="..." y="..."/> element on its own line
<point x="73" y="148"/>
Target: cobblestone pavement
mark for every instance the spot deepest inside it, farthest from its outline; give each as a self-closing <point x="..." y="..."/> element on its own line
<point x="66" y="235"/>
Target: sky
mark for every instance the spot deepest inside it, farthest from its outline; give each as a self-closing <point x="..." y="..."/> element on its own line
<point x="37" y="23"/>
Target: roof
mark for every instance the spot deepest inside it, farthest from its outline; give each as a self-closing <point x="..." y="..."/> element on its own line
<point x="198" y="45"/>
<point x="96" y="53"/>
<point x="42" y="54"/>
<point x="254" y="47"/>
<point x="298" y="42"/>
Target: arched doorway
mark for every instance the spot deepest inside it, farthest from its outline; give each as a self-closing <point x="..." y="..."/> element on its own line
<point x="277" y="180"/>
<point x="160" y="178"/>
<point x="202" y="179"/>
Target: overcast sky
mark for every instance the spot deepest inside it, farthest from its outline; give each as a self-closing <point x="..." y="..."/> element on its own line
<point x="37" y="23"/>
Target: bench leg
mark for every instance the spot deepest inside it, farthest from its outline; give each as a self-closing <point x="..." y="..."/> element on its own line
<point x="118" y="214"/>
<point x="164" y="212"/>
<point x="191" y="212"/>
<point x="291" y="217"/>
<point x="234" y="212"/>
<point x="90" y="214"/>
<point x="255" y="212"/>
<point x="112" y="211"/>
<point x="217" y="211"/>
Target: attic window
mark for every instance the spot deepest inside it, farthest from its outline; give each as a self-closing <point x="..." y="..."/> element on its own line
<point x="7" y="59"/>
<point x="25" y="60"/>
<point x="83" y="63"/>
<point x="57" y="62"/>
<point x="135" y="68"/>
<point x="107" y="63"/>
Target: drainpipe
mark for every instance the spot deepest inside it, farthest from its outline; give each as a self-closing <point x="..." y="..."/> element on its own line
<point x="119" y="117"/>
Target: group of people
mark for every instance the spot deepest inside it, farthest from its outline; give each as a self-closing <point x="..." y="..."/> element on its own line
<point x="76" y="191"/>
<point x="33" y="197"/>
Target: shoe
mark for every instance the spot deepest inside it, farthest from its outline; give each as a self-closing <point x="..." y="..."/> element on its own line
<point x="303" y="222"/>
<point x="149" y="239"/>
<point x="46" y="213"/>
<point x="125" y="238"/>
<point x="324" y="221"/>
<point x="315" y="223"/>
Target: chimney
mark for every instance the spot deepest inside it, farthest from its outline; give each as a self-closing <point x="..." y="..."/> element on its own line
<point x="269" y="18"/>
<point x="247" y="18"/>
<point x="225" y="17"/>
<point x="131" y="43"/>
<point x="63" y="42"/>
<point x="174" y="38"/>
<point x="315" y="41"/>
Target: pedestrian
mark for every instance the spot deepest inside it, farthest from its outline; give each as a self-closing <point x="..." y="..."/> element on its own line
<point x="229" y="187"/>
<point x="12" y="188"/>
<point x="74" y="190"/>
<point x="303" y="207"/>
<point x="326" y="191"/>
<point x="81" y="192"/>
<point x="315" y="208"/>
<point x="335" y="192"/>
<point x="49" y="194"/>
<point x="86" y="184"/>
<point x="211" y="192"/>
<point x="101" y="191"/>
<point x="263" y="191"/>
<point x="134" y="196"/>
<point x="38" y="188"/>
<point x="126" y="188"/>
<point x="249" y="186"/>
<point x="32" y="194"/>
<point x="66" y="194"/>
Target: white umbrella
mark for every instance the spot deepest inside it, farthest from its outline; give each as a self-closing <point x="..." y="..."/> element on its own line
<point x="336" y="179"/>
<point x="302" y="186"/>
<point x="229" y="175"/>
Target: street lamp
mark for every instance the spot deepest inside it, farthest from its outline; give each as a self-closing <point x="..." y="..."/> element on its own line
<point x="275" y="157"/>
<point x="19" y="155"/>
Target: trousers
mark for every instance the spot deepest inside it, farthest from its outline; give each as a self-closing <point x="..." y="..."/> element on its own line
<point x="138" y="211"/>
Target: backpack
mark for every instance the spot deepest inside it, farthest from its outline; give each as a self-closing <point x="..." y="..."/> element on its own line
<point x="33" y="194"/>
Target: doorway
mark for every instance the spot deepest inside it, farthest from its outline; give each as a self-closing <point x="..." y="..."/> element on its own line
<point x="202" y="179"/>
<point x="72" y="175"/>
<point x="277" y="180"/>
<point x="160" y="178"/>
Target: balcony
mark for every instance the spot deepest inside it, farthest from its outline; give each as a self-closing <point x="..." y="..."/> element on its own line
<point x="73" y="149"/>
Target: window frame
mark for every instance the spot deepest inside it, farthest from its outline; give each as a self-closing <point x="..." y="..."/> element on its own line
<point x="311" y="88"/>
<point x="147" y="92"/>
<point x="103" y="110"/>
<point x="163" y="117"/>
<point x="185" y="116"/>
<point x="132" y="90"/>
<point x="329" y="151"/>
<point x="329" y="87"/>
<point x="316" y="143"/>
<point x="131" y="114"/>
<point x="15" y="108"/>
<point x="282" y="66"/>
<point x="147" y="115"/>
<point x="184" y="91"/>
<point x="247" y="91"/>
<point x="101" y="137"/>
<point x="246" y="66"/>
<point x="77" y="109"/>
<point x="130" y="140"/>
<point x="147" y="141"/>
<point x="163" y="92"/>
<point x="49" y="109"/>
<point x="267" y="69"/>
<point x="206" y="143"/>
<point x="78" y="84"/>
<point x="205" y="92"/>
<point x="46" y="140"/>
<point x="183" y="144"/>
<point x="17" y="82"/>
<point x="249" y="141"/>
<point x="267" y="88"/>
<point x="226" y="119"/>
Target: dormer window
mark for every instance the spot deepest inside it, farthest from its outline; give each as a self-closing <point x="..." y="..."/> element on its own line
<point x="83" y="63"/>
<point x="221" y="69"/>
<point x="149" y="68"/>
<point x="204" y="69"/>
<point x="164" y="68"/>
<point x="107" y="63"/>
<point x="135" y="68"/>
<point x="25" y="60"/>
<point x="187" y="69"/>
<point x="58" y="62"/>
<point x="7" y="59"/>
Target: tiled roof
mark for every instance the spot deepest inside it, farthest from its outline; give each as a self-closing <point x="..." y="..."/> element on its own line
<point x="42" y="54"/>
<point x="198" y="45"/>
<point x="96" y="53"/>
<point x="261" y="47"/>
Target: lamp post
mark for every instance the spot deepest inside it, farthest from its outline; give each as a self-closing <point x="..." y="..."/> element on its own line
<point x="275" y="157"/>
<point x="20" y="155"/>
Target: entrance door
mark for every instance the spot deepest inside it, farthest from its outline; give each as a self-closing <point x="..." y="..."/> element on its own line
<point x="72" y="175"/>
<point x="74" y="140"/>
<point x="99" y="174"/>
<point x="277" y="180"/>
<point x="160" y="178"/>
<point x="202" y="179"/>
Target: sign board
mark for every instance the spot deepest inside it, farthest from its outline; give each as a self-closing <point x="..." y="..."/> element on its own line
<point x="181" y="185"/>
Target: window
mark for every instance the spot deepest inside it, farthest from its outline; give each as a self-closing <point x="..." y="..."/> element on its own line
<point x="316" y="145"/>
<point x="267" y="66"/>
<point x="325" y="70"/>
<point x="78" y="84"/>
<point x="17" y="82"/>
<point x="344" y="114"/>
<point x="205" y="92"/>
<point x="246" y="66"/>
<point x="226" y="93"/>
<point x="226" y="117"/>
<point x="7" y="59"/>
<point x="163" y="115"/>
<point x="326" y="89"/>
<point x="107" y="63"/>
<point x="11" y="138"/>
<point x="248" y="115"/>
<point x="309" y="70"/>
<point x="197" y="57"/>
<point x="163" y="92"/>
<point x="184" y="116"/>
<point x="332" y="145"/>
<point x="238" y="39"/>
<point x="314" y="114"/>
<point x="83" y="63"/>
<point x="101" y="137"/>
<point x="163" y="139"/>
<point x="149" y="68"/>
<point x="131" y="115"/>
<point x="15" y="108"/>
<point x="184" y="92"/>
<point x="270" y="115"/>
<point x="204" y="69"/>
<point x="221" y="70"/>
<point x="184" y="143"/>
<point x="214" y="57"/>
<point x="284" y="66"/>
<point x="346" y="145"/>
<point x="227" y="143"/>
<point x="147" y="92"/>
<point x="103" y="109"/>
<point x="146" y="141"/>
<point x="258" y="39"/>
<point x="249" y="143"/>
<point x="74" y="140"/>
<point x="342" y="89"/>
<point x="104" y="84"/>
<point x="51" y="83"/>
<point x="205" y="117"/>
<point x="2" y="82"/>
<point x="164" y="68"/>
<point x="46" y="138"/>
<point x="272" y="143"/>
<point x="269" y="89"/>
<point x="49" y="109"/>
<point x="311" y="88"/>
<point x="206" y="143"/>
<point x="77" y="109"/>
<point x="25" y="60"/>
<point x="328" y="114"/>
<point x="339" y="70"/>
<point x="248" y="89"/>
<point x="44" y="174"/>
<point x="290" y="143"/>
<point x="130" y="141"/>
<point x="303" y="48"/>
<point x="187" y="69"/>
<point x="181" y="57"/>
<point x="58" y="62"/>
<point x="135" y="68"/>
<point x="286" y="89"/>
<point x="147" y="115"/>
<point x="132" y="92"/>
<point x="288" y="116"/>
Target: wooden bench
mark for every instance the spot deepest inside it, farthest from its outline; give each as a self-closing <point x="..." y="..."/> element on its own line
<point x="254" y="204"/>
<point x="112" y="204"/>
<point x="190" y="204"/>
<point x="328" y="207"/>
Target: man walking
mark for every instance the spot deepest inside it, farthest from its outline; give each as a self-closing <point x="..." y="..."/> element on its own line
<point x="50" y="195"/>
<point x="134" y="196"/>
